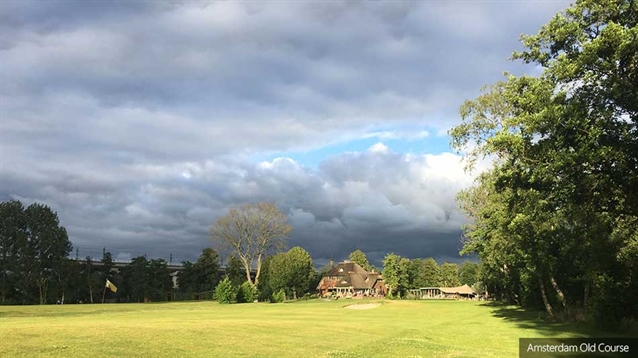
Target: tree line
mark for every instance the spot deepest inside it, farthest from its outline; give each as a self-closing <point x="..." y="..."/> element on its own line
<point x="401" y="274"/>
<point x="555" y="219"/>
<point x="34" y="251"/>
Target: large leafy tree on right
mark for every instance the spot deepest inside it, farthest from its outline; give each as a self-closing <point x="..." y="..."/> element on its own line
<point x="555" y="220"/>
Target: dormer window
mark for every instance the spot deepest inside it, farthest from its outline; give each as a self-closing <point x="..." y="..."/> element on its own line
<point x="340" y="270"/>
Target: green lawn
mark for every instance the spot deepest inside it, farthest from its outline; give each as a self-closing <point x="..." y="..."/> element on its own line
<point x="303" y="329"/>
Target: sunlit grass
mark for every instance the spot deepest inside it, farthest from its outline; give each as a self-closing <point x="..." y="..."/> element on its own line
<point x="303" y="329"/>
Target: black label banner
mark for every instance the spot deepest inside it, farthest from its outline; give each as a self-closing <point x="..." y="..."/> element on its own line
<point x="577" y="347"/>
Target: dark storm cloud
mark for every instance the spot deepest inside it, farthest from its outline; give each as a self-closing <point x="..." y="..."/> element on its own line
<point x="135" y="120"/>
<point x="378" y="201"/>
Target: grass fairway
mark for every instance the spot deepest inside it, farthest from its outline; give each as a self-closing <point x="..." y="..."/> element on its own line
<point x="302" y="329"/>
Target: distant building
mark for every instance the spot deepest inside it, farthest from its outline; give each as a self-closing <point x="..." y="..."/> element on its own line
<point x="461" y="292"/>
<point x="348" y="279"/>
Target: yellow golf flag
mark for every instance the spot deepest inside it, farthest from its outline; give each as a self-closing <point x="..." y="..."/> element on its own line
<point x="110" y="286"/>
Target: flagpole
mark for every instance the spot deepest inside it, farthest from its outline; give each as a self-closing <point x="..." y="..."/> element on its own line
<point x="104" y="293"/>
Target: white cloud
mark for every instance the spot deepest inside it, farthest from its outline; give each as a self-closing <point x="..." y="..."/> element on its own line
<point x="379" y="148"/>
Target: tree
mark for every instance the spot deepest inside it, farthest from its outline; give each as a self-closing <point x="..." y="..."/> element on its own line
<point x="13" y="225"/>
<point x="69" y="281"/>
<point x="207" y="270"/>
<point x="91" y="279"/>
<point x="450" y="275"/>
<point x="425" y="273"/>
<point x="47" y="246"/>
<point x="413" y="272"/>
<point x="160" y="281"/>
<point x="395" y="273"/>
<point x="187" y="278"/>
<point x="555" y="219"/>
<point x="302" y="271"/>
<point x="226" y="292"/>
<point x="252" y="232"/>
<point x="107" y="272"/>
<point x="247" y="293"/>
<point x="279" y="273"/>
<point x="137" y="275"/>
<point x="468" y="273"/>
<point x="234" y="271"/>
<point x="291" y="271"/>
<point x="263" y="287"/>
<point x="360" y="259"/>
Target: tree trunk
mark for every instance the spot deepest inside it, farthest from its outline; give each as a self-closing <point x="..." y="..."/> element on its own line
<point x="561" y="296"/>
<point x="4" y="275"/>
<point x="586" y="297"/>
<point x="247" y="269"/>
<point x="258" y="271"/>
<point x="548" y="306"/>
<point x="42" y="287"/>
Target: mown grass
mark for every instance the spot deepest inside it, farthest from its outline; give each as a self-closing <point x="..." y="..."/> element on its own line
<point x="302" y="329"/>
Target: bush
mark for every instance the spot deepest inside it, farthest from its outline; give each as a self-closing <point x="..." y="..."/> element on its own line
<point x="247" y="293"/>
<point x="226" y="292"/>
<point x="308" y="296"/>
<point x="278" y="297"/>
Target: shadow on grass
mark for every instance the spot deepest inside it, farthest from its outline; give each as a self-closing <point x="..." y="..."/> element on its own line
<point x="540" y="322"/>
<point x="553" y="332"/>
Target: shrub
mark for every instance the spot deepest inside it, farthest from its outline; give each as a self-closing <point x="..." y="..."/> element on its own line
<point x="278" y="297"/>
<point x="226" y="292"/>
<point x="247" y="293"/>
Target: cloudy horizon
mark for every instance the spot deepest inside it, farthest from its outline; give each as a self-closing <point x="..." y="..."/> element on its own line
<point x="141" y="123"/>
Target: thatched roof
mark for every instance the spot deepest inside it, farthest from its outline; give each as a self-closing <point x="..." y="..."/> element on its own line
<point x="462" y="290"/>
<point x="352" y="275"/>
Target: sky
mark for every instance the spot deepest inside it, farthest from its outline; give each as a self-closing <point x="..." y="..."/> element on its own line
<point x="141" y="123"/>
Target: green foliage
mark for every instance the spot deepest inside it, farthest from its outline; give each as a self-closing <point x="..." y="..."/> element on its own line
<point x="291" y="271"/>
<point x="137" y="275"/>
<point x="395" y="274"/>
<point x="187" y="278"/>
<point x="226" y="292"/>
<point x="468" y="273"/>
<point x="13" y="223"/>
<point x="278" y="297"/>
<point x="33" y="248"/>
<point x="449" y="275"/>
<point x="360" y="259"/>
<point x="160" y="282"/>
<point x="206" y="270"/>
<point x="263" y="286"/>
<point x="424" y="273"/>
<point x="235" y="271"/>
<point x="247" y="293"/>
<point x="555" y="219"/>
